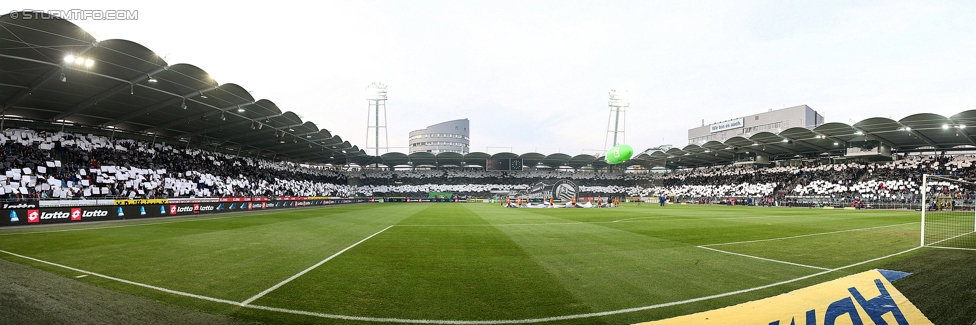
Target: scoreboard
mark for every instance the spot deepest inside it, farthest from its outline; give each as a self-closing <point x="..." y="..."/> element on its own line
<point x="503" y="164"/>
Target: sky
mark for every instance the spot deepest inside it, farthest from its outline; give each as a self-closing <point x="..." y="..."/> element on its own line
<point x="534" y="76"/>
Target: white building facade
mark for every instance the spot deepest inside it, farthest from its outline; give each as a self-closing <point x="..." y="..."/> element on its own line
<point x="450" y="136"/>
<point x="773" y="121"/>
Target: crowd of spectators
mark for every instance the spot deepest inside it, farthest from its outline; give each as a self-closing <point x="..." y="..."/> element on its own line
<point x="69" y="165"/>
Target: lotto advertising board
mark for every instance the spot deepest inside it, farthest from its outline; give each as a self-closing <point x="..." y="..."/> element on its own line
<point x="34" y="212"/>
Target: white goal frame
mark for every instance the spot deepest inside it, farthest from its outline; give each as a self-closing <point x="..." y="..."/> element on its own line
<point x="925" y="204"/>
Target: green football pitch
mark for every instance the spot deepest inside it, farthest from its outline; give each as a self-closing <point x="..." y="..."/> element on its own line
<point x="469" y="263"/>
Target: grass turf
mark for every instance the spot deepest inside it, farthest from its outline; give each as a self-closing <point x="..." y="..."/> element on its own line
<point x="470" y="261"/>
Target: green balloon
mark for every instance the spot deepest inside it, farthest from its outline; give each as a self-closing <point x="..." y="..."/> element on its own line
<point x="619" y="154"/>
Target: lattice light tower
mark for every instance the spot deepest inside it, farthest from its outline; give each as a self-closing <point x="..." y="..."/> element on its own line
<point x="376" y="96"/>
<point x="616" y="124"/>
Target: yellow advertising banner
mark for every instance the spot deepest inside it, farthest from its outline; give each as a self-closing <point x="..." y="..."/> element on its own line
<point x="865" y="298"/>
<point x="141" y="201"/>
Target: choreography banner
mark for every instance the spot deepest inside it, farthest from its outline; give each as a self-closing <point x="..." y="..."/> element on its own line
<point x="866" y="298"/>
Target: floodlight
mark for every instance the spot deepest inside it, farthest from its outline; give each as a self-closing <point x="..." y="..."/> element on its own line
<point x="240" y="109"/>
<point x="619" y="98"/>
<point x="89" y="63"/>
<point x="63" y="78"/>
<point x="222" y="117"/>
<point x="945" y="126"/>
<point x="376" y="91"/>
<point x="183" y="104"/>
<point x="70" y="58"/>
<point x="79" y="60"/>
<point x="153" y="80"/>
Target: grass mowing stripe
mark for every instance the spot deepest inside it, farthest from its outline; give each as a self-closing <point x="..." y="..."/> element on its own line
<point x="807" y="235"/>
<point x="255" y="297"/>
<point x="383" y="249"/>
<point x="458" y="322"/>
<point x="648" y="219"/>
<point x="432" y="273"/>
<point x="643" y="219"/>
<point x="181" y="293"/>
<point x="764" y="259"/>
<point x="230" y="259"/>
<point x="587" y="315"/>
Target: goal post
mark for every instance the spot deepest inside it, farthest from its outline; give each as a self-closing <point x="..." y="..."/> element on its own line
<point x="948" y="212"/>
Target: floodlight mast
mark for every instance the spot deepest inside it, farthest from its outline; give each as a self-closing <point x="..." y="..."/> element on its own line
<point x="376" y="96"/>
<point x="619" y="102"/>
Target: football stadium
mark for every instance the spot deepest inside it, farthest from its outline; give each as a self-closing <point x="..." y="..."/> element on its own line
<point x="137" y="190"/>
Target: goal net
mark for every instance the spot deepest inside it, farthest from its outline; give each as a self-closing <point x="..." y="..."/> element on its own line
<point x="948" y="214"/>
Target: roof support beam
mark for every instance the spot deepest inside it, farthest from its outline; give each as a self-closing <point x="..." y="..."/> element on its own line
<point x="290" y="126"/>
<point x="51" y="74"/>
<point x="208" y="130"/>
<point x="106" y="94"/>
<point x="197" y="116"/>
<point x="245" y="135"/>
<point x="920" y="136"/>
<point x="965" y="133"/>
<point x="47" y="76"/>
<point x="156" y="106"/>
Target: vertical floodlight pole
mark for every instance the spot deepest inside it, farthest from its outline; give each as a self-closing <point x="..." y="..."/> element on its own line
<point x="376" y="96"/>
<point x="618" y="103"/>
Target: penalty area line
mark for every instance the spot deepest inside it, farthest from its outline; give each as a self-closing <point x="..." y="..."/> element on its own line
<point x="764" y="259"/>
<point x="807" y="235"/>
<point x="309" y="269"/>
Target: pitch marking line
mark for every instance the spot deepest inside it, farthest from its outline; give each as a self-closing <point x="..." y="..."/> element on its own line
<point x="465" y="322"/>
<point x="646" y="219"/>
<point x="764" y="259"/>
<point x="310" y="268"/>
<point x="951" y="238"/>
<point x="181" y="293"/>
<point x="959" y="248"/>
<point x="807" y="235"/>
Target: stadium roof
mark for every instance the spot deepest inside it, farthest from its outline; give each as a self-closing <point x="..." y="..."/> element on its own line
<point x="55" y="73"/>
